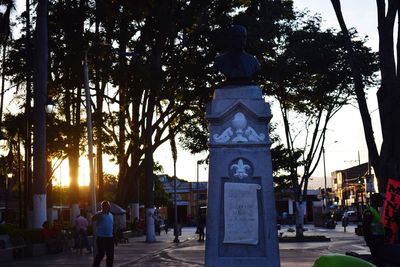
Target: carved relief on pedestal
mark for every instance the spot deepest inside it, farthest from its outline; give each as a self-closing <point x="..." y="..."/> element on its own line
<point x="239" y="132"/>
<point x="240" y="168"/>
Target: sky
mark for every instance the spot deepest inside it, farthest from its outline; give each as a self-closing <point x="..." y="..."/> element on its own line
<point x="345" y="139"/>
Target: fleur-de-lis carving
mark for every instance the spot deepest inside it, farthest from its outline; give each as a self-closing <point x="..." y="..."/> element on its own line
<point x="240" y="169"/>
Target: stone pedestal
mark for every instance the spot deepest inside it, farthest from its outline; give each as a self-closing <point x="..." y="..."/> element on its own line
<point x="241" y="215"/>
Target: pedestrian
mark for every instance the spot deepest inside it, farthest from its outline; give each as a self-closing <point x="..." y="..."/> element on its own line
<point x="200" y="227"/>
<point x="52" y="239"/>
<point x="104" y="235"/>
<point x="373" y="229"/>
<point x="81" y="225"/>
<point x="166" y="226"/>
<point x="345" y="220"/>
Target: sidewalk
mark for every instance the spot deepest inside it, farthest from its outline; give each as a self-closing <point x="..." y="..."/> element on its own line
<point x="190" y="252"/>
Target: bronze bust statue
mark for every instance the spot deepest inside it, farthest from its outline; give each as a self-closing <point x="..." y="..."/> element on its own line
<point x="238" y="66"/>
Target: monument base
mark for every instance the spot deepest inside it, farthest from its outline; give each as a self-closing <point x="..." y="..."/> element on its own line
<point x="241" y="215"/>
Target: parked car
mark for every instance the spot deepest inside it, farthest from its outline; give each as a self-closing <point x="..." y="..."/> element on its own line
<point x="353" y="216"/>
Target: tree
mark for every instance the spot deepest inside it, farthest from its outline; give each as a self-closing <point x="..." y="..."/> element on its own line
<point x="385" y="164"/>
<point x="311" y="80"/>
<point x="5" y="32"/>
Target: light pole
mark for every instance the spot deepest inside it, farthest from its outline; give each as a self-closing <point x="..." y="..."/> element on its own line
<point x="89" y="123"/>
<point x="176" y="232"/>
<point x="324" y="162"/>
<point x="324" y="196"/>
<point x="49" y="108"/>
<point x="89" y="133"/>
<point x="197" y="191"/>
<point x="8" y="176"/>
<point x="3" y="149"/>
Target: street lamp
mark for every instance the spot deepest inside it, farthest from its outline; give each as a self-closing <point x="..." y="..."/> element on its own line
<point x="3" y="149"/>
<point x="323" y="159"/>
<point x="197" y="191"/>
<point x="49" y="106"/>
<point x="176" y="232"/>
<point x="90" y="132"/>
<point x="8" y="176"/>
<point x="89" y="122"/>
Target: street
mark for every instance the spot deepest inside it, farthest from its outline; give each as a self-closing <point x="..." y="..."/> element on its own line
<point x="190" y="252"/>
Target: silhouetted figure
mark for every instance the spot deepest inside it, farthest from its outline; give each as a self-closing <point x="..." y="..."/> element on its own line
<point x="200" y="226"/>
<point x="238" y="66"/>
<point x="373" y="229"/>
<point x="81" y="225"/>
<point x="104" y="240"/>
<point x="52" y="239"/>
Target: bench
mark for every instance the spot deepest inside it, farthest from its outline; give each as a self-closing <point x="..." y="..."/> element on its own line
<point x="11" y="248"/>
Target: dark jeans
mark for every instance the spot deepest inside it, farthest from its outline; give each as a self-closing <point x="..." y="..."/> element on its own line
<point x="82" y="240"/>
<point x="375" y="244"/>
<point x="200" y="229"/>
<point x="105" y="245"/>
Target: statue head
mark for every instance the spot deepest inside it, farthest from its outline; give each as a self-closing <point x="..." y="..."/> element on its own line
<point x="238" y="36"/>
<point x="238" y="66"/>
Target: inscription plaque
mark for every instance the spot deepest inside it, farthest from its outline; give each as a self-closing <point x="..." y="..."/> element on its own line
<point x="241" y="213"/>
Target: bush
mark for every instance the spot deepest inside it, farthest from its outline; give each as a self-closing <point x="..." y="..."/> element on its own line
<point x="32" y="236"/>
<point x="6" y="229"/>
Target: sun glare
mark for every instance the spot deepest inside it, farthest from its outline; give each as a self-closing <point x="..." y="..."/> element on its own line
<point x="62" y="178"/>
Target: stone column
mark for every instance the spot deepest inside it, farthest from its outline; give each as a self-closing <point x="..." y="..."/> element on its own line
<point x="241" y="214"/>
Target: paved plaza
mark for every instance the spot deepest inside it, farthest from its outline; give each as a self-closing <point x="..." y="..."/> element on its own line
<point x="190" y="252"/>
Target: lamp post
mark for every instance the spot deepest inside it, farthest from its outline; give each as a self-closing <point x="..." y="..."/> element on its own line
<point x="8" y="176"/>
<point x="324" y="196"/>
<point x="3" y="149"/>
<point x="197" y="191"/>
<point x="324" y="162"/>
<point x="49" y="108"/>
<point x="89" y="122"/>
<point x="89" y="132"/>
<point x="176" y="232"/>
<point x="19" y="181"/>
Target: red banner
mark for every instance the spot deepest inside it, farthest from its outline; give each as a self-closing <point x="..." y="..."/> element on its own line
<point x="391" y="209"/>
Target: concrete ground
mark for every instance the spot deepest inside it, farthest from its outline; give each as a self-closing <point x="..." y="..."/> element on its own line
<point x="190" y="252"/>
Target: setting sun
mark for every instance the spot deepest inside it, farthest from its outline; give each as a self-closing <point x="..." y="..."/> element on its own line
<point x="62" y="178"/>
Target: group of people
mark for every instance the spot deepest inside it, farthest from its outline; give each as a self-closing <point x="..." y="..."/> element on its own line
<point x="53" y="237"/>
<point x="104" y="235"/>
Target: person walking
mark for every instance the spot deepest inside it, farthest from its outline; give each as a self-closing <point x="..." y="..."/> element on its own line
<point x="81" y="225"/>
<point x="104" y="236"/>
<point x="345" y="220"/>
<point x="200" y="226"/>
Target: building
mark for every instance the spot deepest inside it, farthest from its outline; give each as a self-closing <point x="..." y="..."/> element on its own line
<point x="190" y="197"/>
<point x="286" y="206"/>
<point x="351" y="187"/>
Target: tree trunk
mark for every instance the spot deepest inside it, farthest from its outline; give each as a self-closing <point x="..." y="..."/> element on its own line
<point x="388" y="95"/>
<point x="359" y="89"/>
<point x="73" y="160"/>
<point x="3" y="79"/>
<point x="300" y="218"/>
<point x="39" y="122"/>
<point x="28" y="205"/>
<point x="149" y="176"/>
<point x="49" y="191"/>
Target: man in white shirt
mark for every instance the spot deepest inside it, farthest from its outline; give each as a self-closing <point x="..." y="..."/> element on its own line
<point x="81" y="225"/>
